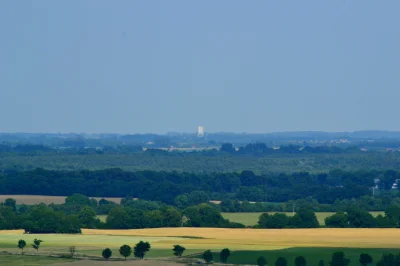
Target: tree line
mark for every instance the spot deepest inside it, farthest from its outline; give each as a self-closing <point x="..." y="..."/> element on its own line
<point x="352" y="218"/>
<point x="326" y="188"/>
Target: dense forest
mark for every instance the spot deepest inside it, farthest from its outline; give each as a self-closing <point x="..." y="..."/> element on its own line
<point x="257" y="157"/>
<point x="166" y="186"/>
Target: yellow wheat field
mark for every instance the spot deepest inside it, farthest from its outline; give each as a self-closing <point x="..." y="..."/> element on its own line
<point x="216" y="238"/>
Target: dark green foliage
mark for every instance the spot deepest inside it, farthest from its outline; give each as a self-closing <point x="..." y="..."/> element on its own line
<point x="338" y="259"/>
<point x="208" y="256"/>
<point x="224" y="255"/>
<point x="360" y="219"/>
<point x="304" y="218"/>
<point x="321" y="263"/>
<point x="338" y="220"/>
<point x="107" y="253"/>
<point x="125" y="251"/>
<point x="365" y="259"/>
<point x="389" y="259"/>
<point x="36" y="244"/>
<point x="178" y="250"/>
<point x="300" y="261"/>
<point x="205" y="215"/>
<point x="141" y="248"/>
<point x="184" y="189"/>
<point x="21" y="245"/>
<point x="261" y="261"/>
<point x="281" y="261"/>
<point x="277" y="220"/>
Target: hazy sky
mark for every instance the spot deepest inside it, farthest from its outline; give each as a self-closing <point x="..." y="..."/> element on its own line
<point x="158" y="66"/>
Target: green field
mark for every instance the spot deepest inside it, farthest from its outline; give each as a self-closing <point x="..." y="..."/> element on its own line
<point x="251" y="218"/>
<point x="312" y="255"/>
<point x="17" y="260"/>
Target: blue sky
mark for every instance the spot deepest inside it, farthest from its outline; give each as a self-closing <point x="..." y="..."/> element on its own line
<point x="159" y="66"/>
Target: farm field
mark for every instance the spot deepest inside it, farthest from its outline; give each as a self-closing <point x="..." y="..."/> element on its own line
<point x="247" y="244"/>
<point x="7" y="260"/>
<point x="36" y="199"/>
<point x="312" y="255"/>
<point x="251" y="218"/>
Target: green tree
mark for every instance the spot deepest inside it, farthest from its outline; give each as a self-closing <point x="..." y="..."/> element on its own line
<point x="178" y="250"/>
<point x="87" y="217"/>
<point x="107" y="253"/>
<point x="208" y="256"/>
<point x="125" y="251"/>
<point x="304" y="218"/>
<point x="281" y="261"/>
<point x="300" y="261"/>
<point x="36" y="244"/>
<point x="21" y="245"/>
<point x="261" y="261"/>
<point x="338" y="259"/>
<point x="141" y="248"/>
<point x="321" y="263"/>
<point x="72" y="250"/>
<point x="337" y="220"/>
<point x="11" y="203"/>
<point x="224" y="255"/>
<point x="365" y="259"/>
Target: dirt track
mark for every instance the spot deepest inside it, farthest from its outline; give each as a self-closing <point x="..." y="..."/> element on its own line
<point x="118" y="263"/>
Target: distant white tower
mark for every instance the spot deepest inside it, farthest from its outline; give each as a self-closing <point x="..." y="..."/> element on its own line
<point x="200" y="131"/>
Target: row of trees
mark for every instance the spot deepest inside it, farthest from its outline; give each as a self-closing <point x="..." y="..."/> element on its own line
<point x="353" y="218"/>
<point x="52" y="219"/>
<point x="162" y="186"/>
<point x="356" y="218"/>
<point x="337" y="259"/>
<point x="36" y="244"/>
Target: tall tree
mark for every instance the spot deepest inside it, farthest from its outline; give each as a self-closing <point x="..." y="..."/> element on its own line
<point x="107" y="253"/>
<point x="281" y="261"/>
<point x="21" y="245"/>
<point x="208" y="256"/>
<point x="224" y="255"/>
<point x="300" y="261"/>
<point x="36" y="244"/>
<point x="261" y="261"/>
<point x="125" y="251"/>
<point x="178" y="250"/>
<point x="338" y="259"/>
<point x="365" y="259"/>
<point x="141" y="248"/>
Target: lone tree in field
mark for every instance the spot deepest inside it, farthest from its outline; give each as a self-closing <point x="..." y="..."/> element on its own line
<point x="36" y="244"/>
<point x="281" y="261"/>
<point x="141" y="248"/>
<point x="338" y="259"/>
<point x="107" y="253"/>
<point x="72" y="250"/>
<point x="125" y="251"/>
<point x="365" y="259"/>
<point x="300" y="261"/>
<point x="208" y="256"/>
<point x="224" y="255"/>
<point x="261" y="261"/>
<point x="21" y="245"/>
<point x="178" y="250"/>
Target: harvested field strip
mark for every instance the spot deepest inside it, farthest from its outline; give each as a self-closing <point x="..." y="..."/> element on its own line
<point x="36" y="199"/>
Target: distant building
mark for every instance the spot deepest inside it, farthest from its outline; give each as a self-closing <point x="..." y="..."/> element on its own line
<point x="200" y="131"/>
